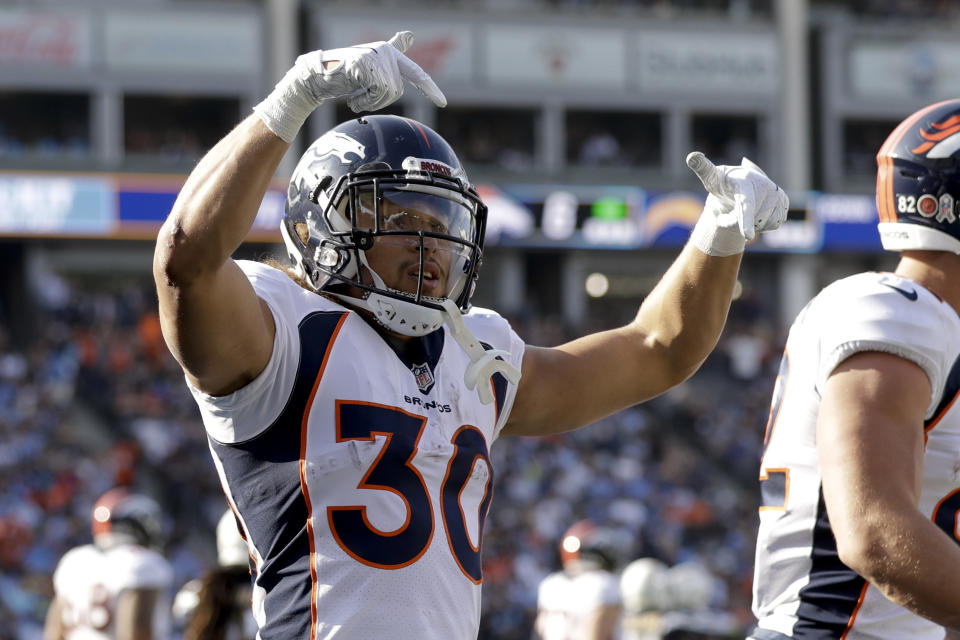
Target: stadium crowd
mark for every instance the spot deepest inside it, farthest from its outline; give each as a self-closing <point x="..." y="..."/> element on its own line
<point x="96" y="401"/>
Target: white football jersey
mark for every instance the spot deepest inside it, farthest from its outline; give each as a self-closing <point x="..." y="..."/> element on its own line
<point x="88" y="581"/>
<point x="801" y="588"/>
<point x="566" y="603"/>
<point x="361" y="474"/>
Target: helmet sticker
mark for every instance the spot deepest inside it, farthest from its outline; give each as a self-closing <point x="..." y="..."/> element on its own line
<point x="336" y="143"/>
<point x="946" y="209"/>
<point x="423" y="165"/>
<point x="926" y="205"/>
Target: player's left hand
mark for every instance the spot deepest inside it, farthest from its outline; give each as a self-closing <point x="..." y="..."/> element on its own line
<point x="743" y="201"/>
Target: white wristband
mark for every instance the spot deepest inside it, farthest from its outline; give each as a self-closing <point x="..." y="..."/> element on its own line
<point x="288" y="106"/>
<point x="713" y="239"/>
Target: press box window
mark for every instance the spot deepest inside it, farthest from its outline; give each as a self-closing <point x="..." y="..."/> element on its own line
<point x="610" y="138"/>
<point x="861" y="141"/>
<point x="44" y="125"/>
<point x="490" y="136"/>
<point x="171" y="131"/>
<point x="727" y="139"/>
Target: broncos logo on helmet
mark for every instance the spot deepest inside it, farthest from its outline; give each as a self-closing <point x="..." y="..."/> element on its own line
<point x="942" y="139"/>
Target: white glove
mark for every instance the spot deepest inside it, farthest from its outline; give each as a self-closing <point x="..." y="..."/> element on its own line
<point x="369" y="75"/>
<point x="742" y="202"/>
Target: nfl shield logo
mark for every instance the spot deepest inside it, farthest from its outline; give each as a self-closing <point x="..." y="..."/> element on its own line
<point x="423" y="376"/>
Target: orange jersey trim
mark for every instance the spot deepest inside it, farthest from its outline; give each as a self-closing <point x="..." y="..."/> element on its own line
<point x="303" y="475"/>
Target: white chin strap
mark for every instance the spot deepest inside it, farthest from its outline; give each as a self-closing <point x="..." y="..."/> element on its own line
<point x="483" y="363"/>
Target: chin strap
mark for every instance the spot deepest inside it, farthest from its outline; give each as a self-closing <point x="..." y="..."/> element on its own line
<point x="483" y="362"/>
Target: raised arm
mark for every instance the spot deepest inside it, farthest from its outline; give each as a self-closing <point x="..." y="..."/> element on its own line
<point x="678" y="323"/>
<point x="870" y="440"/>
<point x="213" y="321"/>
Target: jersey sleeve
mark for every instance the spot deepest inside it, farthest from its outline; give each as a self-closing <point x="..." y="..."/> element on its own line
<point x="608" y="592"/>
<point x="873" y="317"/>
<point x="494" y="331"/>
<point x="241" y="415"/>
<point x="72" y="561"/>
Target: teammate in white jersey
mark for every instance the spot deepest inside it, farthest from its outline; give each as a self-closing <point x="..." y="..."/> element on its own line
<point x="861" y="492"/>
<point x="118" y="587"/>
<point x="351" y="400"/>
<point x="582" y="601"/>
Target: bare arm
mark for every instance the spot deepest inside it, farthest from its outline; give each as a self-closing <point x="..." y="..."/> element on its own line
<point x="676" y="328"/>
<point x="603" y="624"/>
<point x="134" y="617"/>
<point x="870" y="441"/>
<point x="53" y="625"/>
<point x="213" y="321"/>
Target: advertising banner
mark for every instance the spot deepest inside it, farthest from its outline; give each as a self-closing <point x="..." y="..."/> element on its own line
<point x="442" y="49"/>
<point x="709" y="63"/>
<point x="45" y="39"/>
<point x="520" y="215"/>
<point x="555" y="55"/>
<point x="184" y="42"/>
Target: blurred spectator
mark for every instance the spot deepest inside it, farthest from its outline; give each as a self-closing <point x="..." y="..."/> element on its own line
<point x="600" y="148"/>
<point x="48" y="125"/>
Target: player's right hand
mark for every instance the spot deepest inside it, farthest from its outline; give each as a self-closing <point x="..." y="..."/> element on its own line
<point x="369" y="75"/>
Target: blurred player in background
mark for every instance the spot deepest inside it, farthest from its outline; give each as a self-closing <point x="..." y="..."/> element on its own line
<point x="118" y="587"/>
<point x="643" y="599"/>
<point x="858" y="527"/>
<point x="581" y="602"/>
<point x="688" y="610"/>
<point x="217" y="606"/>
<point x="672" y="603"/>
<point x="350" y="400"/>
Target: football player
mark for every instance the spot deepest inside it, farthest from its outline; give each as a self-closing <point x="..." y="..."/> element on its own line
<point x="351" y="398"/>
<point x="858" y="524"/>
<point x="581" y="602"/>
<point x="118" y="587"/>
<point x="643" y="584"/>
